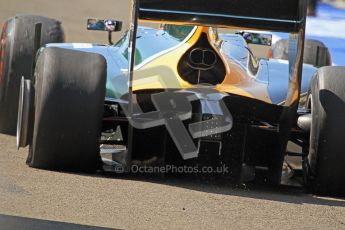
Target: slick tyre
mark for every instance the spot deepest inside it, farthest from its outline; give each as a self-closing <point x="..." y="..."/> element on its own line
<point x="16" y="60"/>
<point x="69" y="103"/>
<point x="315" y="52"/>
<point x="327" y="145"/>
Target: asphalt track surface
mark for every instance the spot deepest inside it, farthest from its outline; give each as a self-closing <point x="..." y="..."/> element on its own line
<point x="38" y="199"/>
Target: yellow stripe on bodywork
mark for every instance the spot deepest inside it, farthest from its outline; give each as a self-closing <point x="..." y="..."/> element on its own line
<point x="163" y="69"/>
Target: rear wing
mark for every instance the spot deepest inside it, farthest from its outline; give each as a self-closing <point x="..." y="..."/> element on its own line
<point x="271" y="15"/>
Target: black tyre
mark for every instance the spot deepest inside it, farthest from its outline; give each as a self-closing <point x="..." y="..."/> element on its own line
<point x="16" y="60"/>
<point x="327" y="145"/>
<point x="69" y="103"/>
<point x="315" y="52"/>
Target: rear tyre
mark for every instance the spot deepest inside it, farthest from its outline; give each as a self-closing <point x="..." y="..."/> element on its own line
<point x="315" y="52"/>
<point x="69" y="102"/>
<point x="16" y="60"/>
<point x="327" y="145"/>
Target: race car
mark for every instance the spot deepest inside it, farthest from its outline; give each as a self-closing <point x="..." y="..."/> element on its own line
<point x="181" y="93"/>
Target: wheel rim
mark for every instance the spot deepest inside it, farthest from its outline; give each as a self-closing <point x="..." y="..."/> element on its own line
<point x="23" y="113"/>
<point x="311" y="164"/>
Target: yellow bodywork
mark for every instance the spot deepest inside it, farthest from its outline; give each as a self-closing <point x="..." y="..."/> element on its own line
<point x="161" y="72"/>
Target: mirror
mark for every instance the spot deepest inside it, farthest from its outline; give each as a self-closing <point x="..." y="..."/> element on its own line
<point x="257" y="38"/>
<point x="104" y="25"/>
